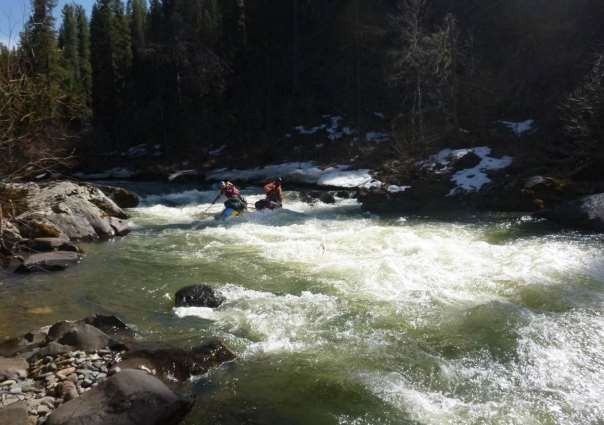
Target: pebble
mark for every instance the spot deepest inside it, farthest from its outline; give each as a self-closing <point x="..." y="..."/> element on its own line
<point x="8" y="382"/>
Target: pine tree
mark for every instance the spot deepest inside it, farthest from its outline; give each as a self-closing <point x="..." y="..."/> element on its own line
<point x="155" y="22"/>
<point x="84" y="51"/>
<point x="137" y="13"/>
<point x="68" y="42"/>
<point x="39" y="41"/>
<point x="121" y="41"/>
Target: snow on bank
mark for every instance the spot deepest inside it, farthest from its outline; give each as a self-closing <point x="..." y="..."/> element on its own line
<point x="519" y="127"/>
<point x="334" y="130"/>
<point x="473" y="179"/>
<point x="303" y="172"/>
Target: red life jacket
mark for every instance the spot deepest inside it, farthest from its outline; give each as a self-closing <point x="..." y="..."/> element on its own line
<point x="231" y="191"/>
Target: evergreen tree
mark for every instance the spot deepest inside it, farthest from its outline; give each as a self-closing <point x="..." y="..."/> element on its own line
<point x="137" y="12"/>
<point x="38" y="40"/>
<point x="68" y="41"/>
<point x="84" y="51"/>
<point x="155" y="22"/>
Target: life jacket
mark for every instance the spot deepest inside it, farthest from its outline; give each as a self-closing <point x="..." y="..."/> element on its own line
<point x="231" y="191"/>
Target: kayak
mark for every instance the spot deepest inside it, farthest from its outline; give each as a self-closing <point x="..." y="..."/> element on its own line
<point x="227" y="214"/>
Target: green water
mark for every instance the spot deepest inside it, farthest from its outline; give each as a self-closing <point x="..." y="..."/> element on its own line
<point x="339" y="317"/>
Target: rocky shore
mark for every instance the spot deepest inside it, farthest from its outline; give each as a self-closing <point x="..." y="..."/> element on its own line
<point x="40" y="224"/>
<point x="90" y="371"/>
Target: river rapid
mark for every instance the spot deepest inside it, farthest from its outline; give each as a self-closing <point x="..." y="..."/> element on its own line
<point x="340" y="317"/>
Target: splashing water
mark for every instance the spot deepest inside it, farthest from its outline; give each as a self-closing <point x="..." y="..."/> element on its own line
<point x="340" y="317"/>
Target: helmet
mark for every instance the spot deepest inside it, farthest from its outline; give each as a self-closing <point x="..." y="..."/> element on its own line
<point x="223" y="184"/>
<point x="279" y="180"/>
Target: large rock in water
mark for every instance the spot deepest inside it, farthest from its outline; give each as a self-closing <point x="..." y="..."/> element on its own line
<point x="68" y="210"/>
<point x="131" y="397"/>
<point x="586" y="213"/>
<point x="174" y="363"/>
<point x="198" y="296"/>
<point x="123" y="198"/>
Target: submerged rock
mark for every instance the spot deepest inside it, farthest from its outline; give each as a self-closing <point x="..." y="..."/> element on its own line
<point x="49" y="261"/>
<point x="178" y="364"/>
<point x="198" y="296"/>
<point x="131" y="397"/>
<point x="586" y="213"/>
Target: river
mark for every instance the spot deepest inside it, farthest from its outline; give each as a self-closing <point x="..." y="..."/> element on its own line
<point x="340" y="317"/>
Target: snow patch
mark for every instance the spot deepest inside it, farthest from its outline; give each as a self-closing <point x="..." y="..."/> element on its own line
<point x="376" y="137"/>
<point x="473" y="179"/>
<point x="397" y="189"/>
<point x="217" y="151"/>
<point x="303" y="172"/>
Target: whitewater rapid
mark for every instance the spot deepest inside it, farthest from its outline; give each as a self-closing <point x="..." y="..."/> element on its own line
<point x="451" y="321"/>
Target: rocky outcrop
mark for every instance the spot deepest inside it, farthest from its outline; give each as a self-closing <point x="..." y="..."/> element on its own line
<point x="198" y="296"/>
<point x="131" y="397"/>
<point x="586" y="213"/>
<point x="40" y="222"/>
<point x="76" y="373"/>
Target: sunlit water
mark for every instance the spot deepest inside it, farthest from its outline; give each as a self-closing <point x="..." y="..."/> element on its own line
<point x="340" y="317"/>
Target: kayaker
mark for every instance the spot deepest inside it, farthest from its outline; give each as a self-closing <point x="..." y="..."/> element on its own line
<point x="233" y="195"/>
<point x="274" y="195"/>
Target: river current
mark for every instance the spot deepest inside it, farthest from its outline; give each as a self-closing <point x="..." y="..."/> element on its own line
<point x="345" y="318"/>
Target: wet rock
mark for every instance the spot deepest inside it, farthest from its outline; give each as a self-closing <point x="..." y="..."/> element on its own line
<point x="15" y="414"/>
<point x="13" y="368"/>
<point x="30" y="342"/>
<point x="128" y="398"/>
<point x="80" y="336"/>
<point x="327" y="198"/>
<point x="111" y="325"/>
<point x="198" y="296"/>
<point x="49" y="261"/>
<point x="176" y="363"/>
<point x="586" y="213"/>
<point x="345" y="194"/>
<point x="50" y="244"/>
<point x="123" y="198"/>
<point x="120" y="227"/>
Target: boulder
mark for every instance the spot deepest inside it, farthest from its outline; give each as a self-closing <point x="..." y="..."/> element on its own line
<point x="123" y="198"/>
<point x="50" y="244"/>
<point x="586" y="213"/>
<point x="177" y="363"/>
<point x="49" y="261"/>
<point x="130" y="397"/>
<point x="469" y="160"/>
<point x="14" y="414"/>
<point x="81" y="336"/>
<point x="13" y="368"/>
<point x="327" y="198"/>
<point x="198" y="296"/>
<point x="111" y="325"/>
<point x="120" y="227"/>
<point x="62" y="209"/>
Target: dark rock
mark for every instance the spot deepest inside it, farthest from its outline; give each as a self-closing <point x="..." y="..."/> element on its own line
<point x="586" y="213"/>
<point x="53" y="348"/>
<point x="122" y="197"/>
<point x="198" y="296"/>
<point x="177" y="363"/>
<point x="469" y="160"/>
<point x="345" y="194"/>
<point x="13" y="368"/>
<point x="111" y="325"/>
<point x="49" y="261"/>
<point x="327" y="198"/>
<point x="130" y="397"/>
<point x="50" y="244"/>
<point x="15" y="414"/>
